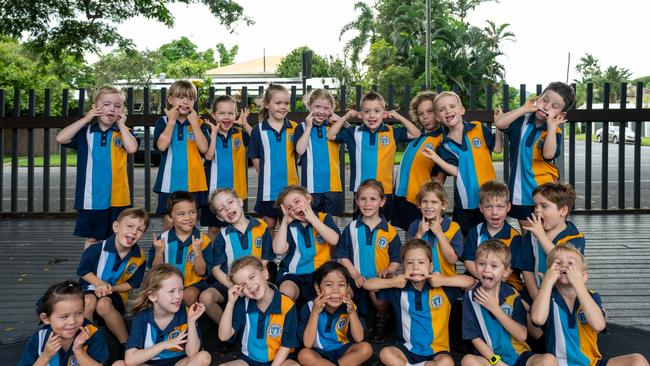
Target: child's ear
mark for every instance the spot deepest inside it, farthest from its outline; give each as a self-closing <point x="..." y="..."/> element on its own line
<point x="44" y="318"/>
<point x="383" y="202"/>
<point x="508" y="206"/>
<point x="564" y="211"/>
<point x="116" y="226"/>
<point x="563" y="115"/>
<point x="310" y="199"/>
<point x="265" y="273"/>
<point x="317" y="290"/>
<point x="507" y="273"/>
<point x="152" y="296"/>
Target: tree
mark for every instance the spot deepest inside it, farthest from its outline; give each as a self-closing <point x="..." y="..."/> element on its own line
<point x="180" y="59"/>
<point x="365" y="26"/>
<point x="590" y="71"/>
<point x="291" y="65"/>
<point x="135" y="67"/>
<point x="55" y="28"/>
<point x="226" y="56"/>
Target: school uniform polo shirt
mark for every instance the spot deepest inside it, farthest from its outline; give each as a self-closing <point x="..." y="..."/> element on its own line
<point x="452" y="232"/>
<point x="333" y="330"/>
<point x="371" y="251"/>
<point x="102" y="180"/>
<point x="103" y="260"/>
<point x="320" y="164"/>
<point x="421" y="317"/>
<point x="415" y="169"/>
<point x="264" y="332"/>
<point x="95" y="346"/>
<point x="507" y="235"/>
<point x="180" y="254"/>
<point x="231" y="244"/>
<point x="145" y="333"/>
<point x="478" y="322"/>
<point x="474" y="162"/>
<point x="372" y="153"/>
<point x="181" y="164"/>
<point x="276" y="151"/>
<point x="528" y="167"/>
<point x="531" y="256"/>
<point x="307" y="248"/>
<point x="229" y="166"/>
<point x="569" y="337"/>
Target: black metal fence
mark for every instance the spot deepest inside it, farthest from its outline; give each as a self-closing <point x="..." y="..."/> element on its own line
<point x="23" y="183"/>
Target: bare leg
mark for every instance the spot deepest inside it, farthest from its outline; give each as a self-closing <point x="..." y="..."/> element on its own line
<point x="290" y="289"/>
<point x="113" y="318"/>
<point x="90" y="303"/>
<point x="211" y="299"/>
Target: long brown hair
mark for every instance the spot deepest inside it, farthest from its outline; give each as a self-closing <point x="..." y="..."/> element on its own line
<point x="268" y="95"/>
<point x="151" y="284"/>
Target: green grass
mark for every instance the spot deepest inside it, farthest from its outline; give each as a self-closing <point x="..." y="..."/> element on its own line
<point x="55" y="160"/>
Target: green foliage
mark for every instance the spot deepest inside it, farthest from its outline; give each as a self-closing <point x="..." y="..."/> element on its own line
<point x="590" y="71"/>
<point x="134" y="67"/>
<point x="291" y="65"/>
<point x="180" y="59"/>
<point x="227" y="56"/>
<point x="365" y="26"/>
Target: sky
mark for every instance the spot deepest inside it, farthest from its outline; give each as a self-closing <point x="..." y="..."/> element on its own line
<point x="546" y="32"/>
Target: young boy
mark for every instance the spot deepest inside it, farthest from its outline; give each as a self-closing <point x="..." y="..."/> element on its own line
<point x="112" y="268"/>
<point x="547" y="228"/>
<point x="494" y="206"/>
<point x="102" y="183"/>
<point x="535" y="142"/>
<point x="465" y="153"/>
<point x="180" y="136"/>
<point x="494" y="317"/>
<point x="266" y="318"/>
<point x="183" y="246"/>
<point x="571" y="314"/>
<point x="372" y="145"/>
<point x="226" y="165"/>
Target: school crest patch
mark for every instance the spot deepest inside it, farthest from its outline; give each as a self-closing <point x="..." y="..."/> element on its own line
<point x="190" y="135"/>
<point x="117" y="142"/>
<point x="258" y="242"/>
<point x="237" y="143"/>
<point x="506" y="309"/>
<point x="581" y="317"/>
<point x="275" y="330"/>
<point x="436" y="301"/>
<point x="429" y="146"/>
<point x="384" y="140"/>
<point x="476" y="142"/>
<point x="319" y="239"/>
<point x="341" y="323"/>
<point x="382" y="242"/>
<point x="190" y="257"/>
<point x="131" y="268"/>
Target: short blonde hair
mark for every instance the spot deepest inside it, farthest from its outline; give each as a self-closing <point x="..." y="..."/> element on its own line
<point x="214" y="195"/>
<point x="496" y="247"/>
<point x="319" y="93"/>
<point x="492" y="190"/>
<point x="243" y="262"/>
<point x="566" y="248"/>
<point x="447" y="94"/>
<point x="107" y="89"/>
<point x="432" y="187"/>
<point x="183" y="88"/>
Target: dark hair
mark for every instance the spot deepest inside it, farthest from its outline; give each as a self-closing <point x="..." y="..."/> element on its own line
<point x="415" y="244"/>
<point x="371" y="183"/>
<point x="179" y="196"/>
<point x="559" y="193"/>
<point x="56" y="293"/>
<point x="136" y="212"/>
<point x="223" y="99"/>
<point x="327" y="268"/>
<point x="565" y="91"/>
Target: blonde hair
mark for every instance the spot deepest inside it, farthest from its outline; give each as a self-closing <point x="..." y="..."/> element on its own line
<point x="319" y="93"/>
<point x="435" y="188"/>
<point x="107" y="89"/>
<point x="447" y="94"/>
<point x="373" y="96"/>
<point x="268" y="95"/>
<point x="418" y="99"/>
<point x="151" y="284"/>
<point x="566" y="248"/>
<point x="492" y="190"/>
<point x="136" y="212"/>
<point x="183" y="88"/>
<point x="214" y="194"/>
<point x="497" y="248"/>
<point x="291" y="189"/>
<point x="245" y="262"/>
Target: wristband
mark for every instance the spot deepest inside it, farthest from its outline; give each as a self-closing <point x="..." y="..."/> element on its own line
<point x="494" y="359"/>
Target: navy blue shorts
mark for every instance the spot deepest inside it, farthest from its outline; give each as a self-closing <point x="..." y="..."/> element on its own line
<point x="201" y="199"/>
<point x="415" y="358"/>
<point x="329" y="202"/>
<point x="249" y="361"/>
<point x="335" y="355"/>
<point x="523" y="358"/>
<point x="201" y="285"/>
<point x="223" y="290"/>
<point x="521" y="212"/>
<point x="467" y="218"/>
<point x="404" y="213"/>
<point x="97" y="224"/>
<point x="268" y="209"/>
<point x="166" y="361"/>
<point x="304" y="282"/>
<point x="115" y="298"/>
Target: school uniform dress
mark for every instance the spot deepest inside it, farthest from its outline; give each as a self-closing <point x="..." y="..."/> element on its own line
<point x="452" y="233"/>
<point x="333" y="335"/>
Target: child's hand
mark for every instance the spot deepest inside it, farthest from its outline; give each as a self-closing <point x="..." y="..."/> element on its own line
<point x="359" y="280"/>
<point x="351" y="307"/>
<point x="92" y="113"/>
<point x="393" y="114"/>
<point x="552" y="274"/>
<point x="214" y="127"/>
<point x="531" y="104"/>
<point x="385" y="274"/>
<point x="555" y="121"/>
<point x="309" y="120"/>
<point x="176" y="344"/>
<point x="81" y="338"/>
<point x="234" y="293"/>
<point x="285" y="214"/>
<point x="319" y="303"/>
<point x="428" y="153"/>
<point x="435" y="226"/>
<point x="53" y="345"/>
<point x="121" y="119"/>
<point x="243" y="117"/>
<point x="497" y="112"/>
<point x="310" y="216"/>
<point x="573" y="275"/>
<point x="158" y="244"/>
<point x="424" y="226"/>
<point x="195" y="311"/>
<point x="103" y="290"/>
<point x="535" y="226"/>
<point x="197" y="244"/>
<point x="401" y="280"/>
<point x="436" y="279"/>
<point x="489" y="301"/>
<point x="172" y="114"/>
<point x="193" y="117"/>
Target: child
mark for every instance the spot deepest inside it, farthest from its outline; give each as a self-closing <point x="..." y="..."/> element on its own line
<point x="163" y="330"/>
<point x="328" y="322"/>
<point x="465" y="154"/>
<point x="304" y="239"/>
<point x="571" y="314"/>
<point x="180" y="136"/>
<point x="421" y="302"/>
<point x="535" y="142"/>
<point x="442" y="234"/>
<point x="183" y="246"/>
<point x="102" y="183"/>
<point x="266" y="317"/>
<point x="112" y="268"/>
<point x="369" y="248"/>
<point x="494" y="317"/>
<point x="547" y="227"/>
<point x="226" y="163"/>
<point x="66" y="338"/>
<point x="415" y="169"/>
<point x="272" y="152"/>
<point x="494" y="206"/>
<point x="319" y="157"/>
<point x="243" y="236"/>
<point x="372" y="145"/>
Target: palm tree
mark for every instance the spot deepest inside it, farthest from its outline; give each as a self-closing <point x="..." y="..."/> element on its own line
<point x="615" y="75"/>
<point x="365" y="26"/>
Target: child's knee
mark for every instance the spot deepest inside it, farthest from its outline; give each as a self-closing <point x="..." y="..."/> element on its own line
<point x="202" y="358"/>
<point x="388" y="356"/>
<point x="208" y="297"/>
<point x="443" y="360"/>
<point x="365" y="349"/>
<point x="545" y="359"/>
<point x="119" y="363"/>
<point x="637" y="359"/>
<point x="190" y="295"/>
<point x="90" y="302"/>
<point x="306" y="356"/>
<point x="104" y="306"/>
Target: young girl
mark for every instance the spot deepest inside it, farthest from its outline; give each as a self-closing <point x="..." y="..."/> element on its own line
<point x="243" y="236"/>
<point x="370" y="247"/>
<point x="319" y="157"/>
<point x="438" y="230"/>
<point x="66" y="338"/>
<point x="163" y="330"/>
<point x="305" y="239"/>
<point x="328" y="322"/>
<point x="272" y="152"/>
<point x="415" y="169"/>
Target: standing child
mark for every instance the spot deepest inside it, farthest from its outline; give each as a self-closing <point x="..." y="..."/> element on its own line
<point x="465" y="153"/>
<point x="434" y="227"/>
<point x="265" y="317"/>
<point x="66" y="338"/>
<point x="494" y="316"/>
<point x="163" y="330"/>
<point x="571" y="314"/>
<point x="112" y="268"/>
<point x="304" y="239"/>
<point x="226" y="164"/>
<point x="319" y="157"/>
<point x="369" y="248"/>
<point x="421" y="302"/>
<point x="372" y="145"/>
<point x="180" y="136"/>
<point x="183" y="246"/>
<point x="244" y="236"/>
<point x="102" y="190"/>
<point x="272" y="151"/>
<point x="415" y="169"/>
<point x="535" y="142"/>
<point x="328" y="322"/>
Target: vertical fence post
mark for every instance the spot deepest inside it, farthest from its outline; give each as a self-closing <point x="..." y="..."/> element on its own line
<point x="472" y="97"/>
<point x="146" y="151"/>
<point x="605" y="152"/>
<point x="621" y="150"/>
<point x="130" y="169"/>
<point x="14" y="154"/>
<point x="637" y="148"/>
<point x="506" y="143"/>
<point x="31" y="112"/>
<point x="211" y="97"/>
<point x="2" y="148"/>
<point x="342" y="111"/>
<point x="390" y="97"/>
<point x="63" y="161"/>
<point x="572" y="147"/>
<point x="357" y="97"/>
<point x="407" y="98"/>
<point x="47" y="110"/>
<point x="588" y="134"/>
<point x="294" y="96"/>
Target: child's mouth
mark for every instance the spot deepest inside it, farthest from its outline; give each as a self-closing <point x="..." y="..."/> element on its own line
<point x="129" y="239"/>
<point x="542" y="115"/>
<point x="450" y="118"/>
<point x="231" y="216"/>
<point x="487" y="281"/>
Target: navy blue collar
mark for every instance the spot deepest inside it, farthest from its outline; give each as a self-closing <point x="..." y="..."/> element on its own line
<point x="504" y="233"/>
<point x="95" y="128"/>
<point x="110" y="246"/>
<point x="383" y="224"/>
<point x="382" y="127"/>
<point x="275" y="307"/>
<point x="267" y="126"/>
<point x="252" y="222"/>
<point x="173" y="237"/>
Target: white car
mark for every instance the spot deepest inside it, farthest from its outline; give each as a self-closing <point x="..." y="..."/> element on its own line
<point x="613" y="135"/>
